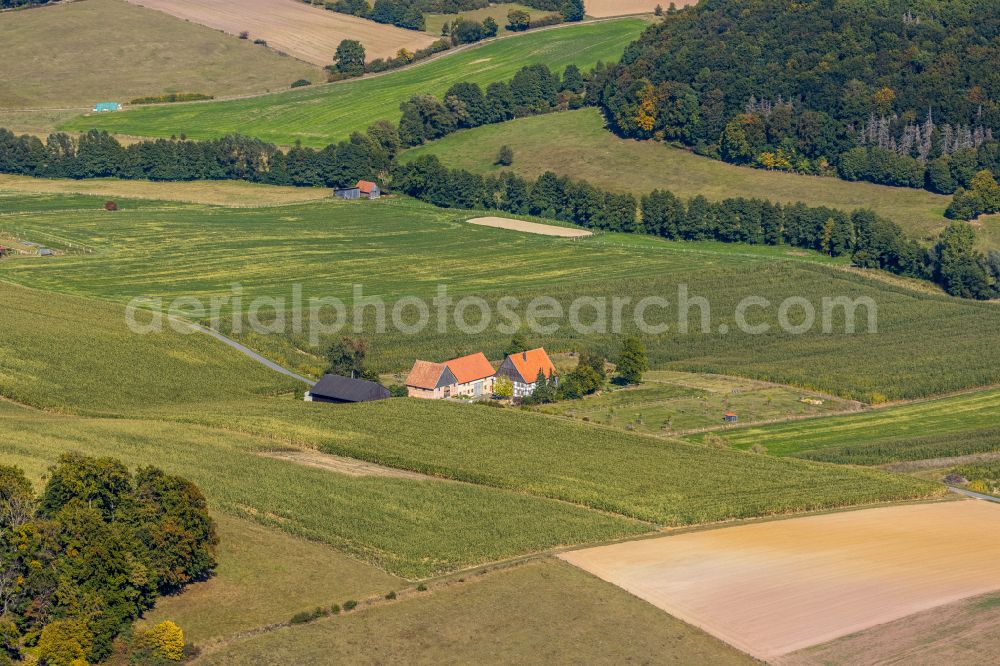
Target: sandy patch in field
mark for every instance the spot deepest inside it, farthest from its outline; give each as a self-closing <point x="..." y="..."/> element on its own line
<point x="772" y="588"/>
<point x="348" y="466"/>
<point x="605" y="8"/>
<point x="212" y="192"/>
<point x="529" y="227"/>
<point x="306" y="32"/>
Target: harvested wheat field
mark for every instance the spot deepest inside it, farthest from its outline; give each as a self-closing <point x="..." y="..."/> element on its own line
<point x="230" y="193"/>
<point x="772" y="588"/>
<point x="606" y="8"/>
<point x="529" y="227"/>
<point x="303" y="31"/>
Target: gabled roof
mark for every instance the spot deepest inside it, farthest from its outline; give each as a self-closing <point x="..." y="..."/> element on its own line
<point x="470" y="368"/>
<point x="366" y="186"/>
<point x="530" y="362"/>
<point x="336" y="387"/>
<point x="429" y="376"/>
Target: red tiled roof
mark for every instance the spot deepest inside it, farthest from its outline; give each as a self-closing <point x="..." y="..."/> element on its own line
<point x="366" y="186"/>
<point x="730" y="414"/>
<point x="530" y="362"/>
<point x="470" y="368"/>
<point x="425" y="375"/>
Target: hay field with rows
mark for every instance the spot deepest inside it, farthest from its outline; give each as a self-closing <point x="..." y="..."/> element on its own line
<point x="397" y="247"/>
<point x="320" y="115"/>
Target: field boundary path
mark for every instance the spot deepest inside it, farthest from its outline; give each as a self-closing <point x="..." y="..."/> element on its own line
<point x="978" y="496"/>
<point x="246" y="351"/>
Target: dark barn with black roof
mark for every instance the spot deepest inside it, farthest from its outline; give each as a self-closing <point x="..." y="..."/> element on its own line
<point x="334" y="388"/>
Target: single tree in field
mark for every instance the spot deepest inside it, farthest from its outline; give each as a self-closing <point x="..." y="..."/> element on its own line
<point x="573" y="10"/>
<point x="506" y="156"/>
<point x="518" y="344"/>
<point x="518" y="20"/>
<point x="347" y="358"/>
<point x="350" y="58"/>
<point x="632" y="361"/>
<point x="490" y="27"/>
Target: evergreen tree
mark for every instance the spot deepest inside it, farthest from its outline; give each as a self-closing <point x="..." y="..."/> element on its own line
<point x="632" y="361"/>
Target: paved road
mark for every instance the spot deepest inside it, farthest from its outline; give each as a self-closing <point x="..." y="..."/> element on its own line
<point x="249" y="352"/>
<point x="969" y="493"/>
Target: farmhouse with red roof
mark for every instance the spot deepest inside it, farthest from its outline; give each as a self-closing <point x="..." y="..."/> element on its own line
<point x="522" y="370"/>
<point x="470" y="375"/>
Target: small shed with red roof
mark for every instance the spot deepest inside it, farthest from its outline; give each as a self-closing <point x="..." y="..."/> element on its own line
<point x="368" y="189"/>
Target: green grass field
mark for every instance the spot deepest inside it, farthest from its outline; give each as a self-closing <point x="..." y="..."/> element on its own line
<point x="398" y="247"/>
<point x="576" y="144"/>
<point x="546" y="612"/>
<point x="320" y="115"/>
<point x="927" y="429"/>
<point x="81" y="53"/>
<point x="670" y="403"/>
<point x="410" y="528"/>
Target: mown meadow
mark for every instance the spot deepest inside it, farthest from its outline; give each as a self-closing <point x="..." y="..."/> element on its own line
<point x="577" y="144"/>
<point x="319" y="115"/>
<point x="925" y="344"/>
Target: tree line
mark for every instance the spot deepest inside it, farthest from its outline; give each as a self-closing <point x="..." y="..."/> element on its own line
<point x="81" y="561"/>
<point x="900" y="93"/>
<point x="871" y="241"/>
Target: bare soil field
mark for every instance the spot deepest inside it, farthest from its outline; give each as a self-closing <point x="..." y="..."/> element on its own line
<point x="348" y="466"/>
<point x="530" y="227"/>
<point x="303" y="31"/>
<point x="606" y="8"/>
<point x="229" y="193"/>
<point x="772" y="588"/>
<point x="964" y="632"/>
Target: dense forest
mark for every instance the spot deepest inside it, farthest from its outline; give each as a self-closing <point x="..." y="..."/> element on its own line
<point x="10" y="4"/>
<point x="81" y="561"/>
<point x="899" y="92"/>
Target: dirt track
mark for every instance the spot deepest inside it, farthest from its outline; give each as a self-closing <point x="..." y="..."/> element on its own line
<point x="296" y="28"/>
<point x="530" y="227"/>
<point x="776" y="587"/>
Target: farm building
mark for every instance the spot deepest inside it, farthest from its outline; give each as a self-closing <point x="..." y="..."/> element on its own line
<point x="522" y="370"/>
<point x="470" y="375"/>
<point x="45" y="252"/>
<point x="730" y="417"/>
<point x="348" y="193"/>
<point x="368" y="189"/>
<point x="334" y="388"/>
<point x="103" y="107"/>
<point x="432" y="381"/>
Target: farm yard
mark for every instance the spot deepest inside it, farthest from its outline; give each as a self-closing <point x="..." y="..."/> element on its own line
<point x="161" y="55"/>
<point x="773" y="588"/>
<point x="576" y="144"/>
<point x="186" y="250"/>
<point x="319" y="115"/>
<point x="301" y="30"/>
